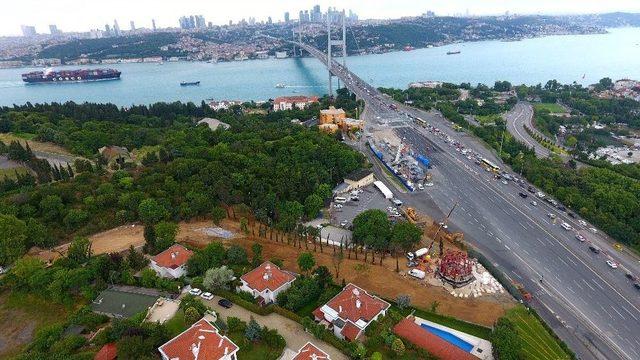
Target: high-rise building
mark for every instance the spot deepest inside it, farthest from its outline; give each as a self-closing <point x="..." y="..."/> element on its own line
<point x="107" y="30"/>
<point x="53" y="30"/>
<point x="132" y="25"/>
<point x="301" y="16"/>
<point x="200" y="23"/>
<point x="316" y="15"/>
<point x="153" y="24"/>
<point x="286" y="17"/>
<point x="192" y="22"/>
<point x="28" y="30"/>
<point x="116" y="28"/>
<point x="269" y="20"/>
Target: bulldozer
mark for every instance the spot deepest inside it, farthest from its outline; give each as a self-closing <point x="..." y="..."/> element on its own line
<point x="413" y="217"/>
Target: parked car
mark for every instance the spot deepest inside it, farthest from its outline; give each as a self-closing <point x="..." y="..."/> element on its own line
<point x="207" y="296"/>
<point x="195" y="291"/>
<point x="227" y="304"/>
<point x="612" y="264"/>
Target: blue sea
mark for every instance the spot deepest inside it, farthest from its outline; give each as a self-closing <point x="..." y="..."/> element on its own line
<point x="581" y="58"/>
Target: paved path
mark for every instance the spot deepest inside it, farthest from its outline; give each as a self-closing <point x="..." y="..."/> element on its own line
<point x="292" y="331"/>
<point x="517" y="118"/>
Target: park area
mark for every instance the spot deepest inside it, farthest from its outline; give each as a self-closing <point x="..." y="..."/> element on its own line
<point x="550" y="107"/>
<point x="537" y="343"/>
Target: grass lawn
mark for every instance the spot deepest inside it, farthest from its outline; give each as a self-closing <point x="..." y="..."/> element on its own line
<point x="11" y="173"/>
<point x="551" y="107"/>
<point x="176" y="324"/>
<point x="488" y="119"/>
<point x="537" y="342"/>
<point x="469" y="328"/>
<point x="21" y="315"/>
<point x="253" y="351"/>
<point x="23" y="135"/>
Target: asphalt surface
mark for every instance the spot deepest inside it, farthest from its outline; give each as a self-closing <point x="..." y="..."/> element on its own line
<point x="592" y="307"/>
<point x="517" y="118"/>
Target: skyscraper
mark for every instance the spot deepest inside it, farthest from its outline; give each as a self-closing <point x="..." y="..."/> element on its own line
<point x="132" y="25"/>
<point x="286" y="17"/>
<point x="53" y="30"/>
<point x="200" y="23"/>
<point x="153" y="24"/>
<point x="316" y="15"/>
<point x="107" y="30"/>
<point x="116" y="28"/>
<point x="269" y="20"/>
<point x="301" y="16"/>
<point x="28" y="30"/>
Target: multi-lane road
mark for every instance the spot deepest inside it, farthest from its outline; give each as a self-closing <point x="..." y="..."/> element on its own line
<point x="520" y="116"/>
<point x="592" y="307"/>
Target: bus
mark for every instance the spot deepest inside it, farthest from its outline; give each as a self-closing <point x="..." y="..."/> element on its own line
<point x="491" y="166"/>
<point x="420" y="122"/>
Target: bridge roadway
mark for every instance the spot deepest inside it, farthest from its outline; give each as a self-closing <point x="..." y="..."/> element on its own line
<point x="593" y="308"/>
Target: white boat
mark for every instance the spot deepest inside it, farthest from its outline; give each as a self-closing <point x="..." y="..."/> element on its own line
<point x="280" y="86"/>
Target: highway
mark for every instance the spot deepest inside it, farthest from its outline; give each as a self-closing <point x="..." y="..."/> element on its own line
<point x="517" y="118"/>
<point x="592" y="307"/>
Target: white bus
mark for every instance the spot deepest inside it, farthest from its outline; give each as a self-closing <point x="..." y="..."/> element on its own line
<point x="340" y="200"/>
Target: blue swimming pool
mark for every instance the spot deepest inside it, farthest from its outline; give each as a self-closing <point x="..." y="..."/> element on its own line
<point x="448" y="337"/>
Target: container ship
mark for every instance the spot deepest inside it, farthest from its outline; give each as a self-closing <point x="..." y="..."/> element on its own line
<point x="64" y="76"/>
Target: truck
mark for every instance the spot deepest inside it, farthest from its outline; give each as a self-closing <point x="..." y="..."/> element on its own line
<point x="418" y="274"/>
<point x="417" y="254"/>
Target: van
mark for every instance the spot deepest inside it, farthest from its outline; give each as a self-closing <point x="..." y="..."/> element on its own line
<point x="396" y="202"/>
<point x="594" y="249"/>
<point x="340" y="200"/>
<point x="566" y="226"/>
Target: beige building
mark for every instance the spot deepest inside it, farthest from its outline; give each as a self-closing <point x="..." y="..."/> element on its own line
<point x="332" y="116"/>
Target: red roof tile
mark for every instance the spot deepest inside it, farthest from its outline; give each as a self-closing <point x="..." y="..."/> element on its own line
<point x="267" y="276"/>
<point x="436" y="346"/>
<point x="318" y="314"/>
<point x="311" y="352"/>
<point x="107" y="352"/>
<point x="174" y="257"/>
<point x="201" y="341"/>
<point x="354" y="303"/>
<point x="350" y="331"/>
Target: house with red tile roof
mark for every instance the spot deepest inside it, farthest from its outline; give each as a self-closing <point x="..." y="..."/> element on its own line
<point x="435" y="345"/>
<point x="351" y="311"/>
<point x="172" y="263"/>
<point x="201" y="341"/>
<point x="311" y="352"/>
<point x="289" y="102"/>
<point x="107" y="352"/>
<point x="266" y="281"/>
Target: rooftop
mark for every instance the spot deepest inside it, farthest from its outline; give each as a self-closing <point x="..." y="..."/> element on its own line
<point x="424" y="339"/>
<point x="355" y="304"/>
<point x="267" y="276"/>
<point x="311" y="352"/>
<point x="295" y="99"/>
<point x="174" y="257"/>
<point x="201" y="341"/>
<point x="332" y="111"/>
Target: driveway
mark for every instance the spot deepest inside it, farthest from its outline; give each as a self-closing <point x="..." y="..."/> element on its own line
<point x="292" y="331"/>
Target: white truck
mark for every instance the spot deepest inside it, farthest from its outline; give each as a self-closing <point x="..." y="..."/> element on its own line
<point x="411" y="256"/>
<point x="418" y="274"/>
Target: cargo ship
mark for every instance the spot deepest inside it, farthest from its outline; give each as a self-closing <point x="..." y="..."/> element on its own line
<point x="190" y="83"/>
<point x="453" y="52"/>
<point x="64" y="76"/>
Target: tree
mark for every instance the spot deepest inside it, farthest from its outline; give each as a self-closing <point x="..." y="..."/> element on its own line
<point x="306" y="262"/>
<point x="79" y="250"/>
<point x="134" y="348"/>
<point x="191" y="315"/>
<point x="403" y="301"/>
<point x="149" y="238"/>
<point x="312" y="205"/>
<point x="51" y="208"/>
<point x="244" y="225"/>
<point x="256" y="249"/>
<point x="135" y="259"/>
<point x="398" y="346"/>
<point x="166" y="233"/>
<point x="253" y="331"/>
<point x="571" y="141"/>
<point x="507" y="345"/>
<point x="193" y="302"/>
<point x="404" y="236"/>
<point x="336" y="260"/>
<point x="218" y="214"/>
<point x="372" y="228"/>
<point x="237" y="255"/>
<point x="213" y="255"/>
<point x="218" y="278"/>
<point x="13" y="238"/>
<point x="151" y="212"/>
<point x="75" y="218"/>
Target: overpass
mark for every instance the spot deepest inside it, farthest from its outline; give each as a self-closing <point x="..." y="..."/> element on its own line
<point x="593" y="308"/>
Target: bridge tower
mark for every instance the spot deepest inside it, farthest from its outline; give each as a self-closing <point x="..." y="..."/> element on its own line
<point x="342" y="43"/>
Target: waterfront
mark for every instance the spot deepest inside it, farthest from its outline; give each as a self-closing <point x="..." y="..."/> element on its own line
<point x="581" y="58"/>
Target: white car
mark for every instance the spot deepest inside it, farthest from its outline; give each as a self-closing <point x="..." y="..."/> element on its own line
<point x="534" y="203"/>
<point x="593" y="230"/>
<point x="195" y="291"/>
<point x="566" y="226"/>
<point x="551" y="216"/>
<point x="429" y="184"/>
<point x="207" y="296"/>
<point x="612" y="264"/>
<point x="582" y="222"/>
<point x="444" y="226"/>
<point x="580" y="238"/>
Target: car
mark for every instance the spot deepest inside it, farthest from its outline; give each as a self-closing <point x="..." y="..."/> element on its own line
<point x="523" y="195"/>
<point x="355" y="198"/>
<point x="580" y="238"/>
<point x="531" y="189"/>
<point x="207" y="296"/>
<point x="343" y="223"/>
<point x="582" y="222"/>
<point x="195" y="291"/>
<point x="612" y="264"/>
<point x="593" y="230"/>
<point x="420" y="187"/>
<point x="227" y="304"/>
<point x="630" y="276"/>
<point x="534" y="203"/>
<point x="540" y="194"/>
<point x="562" y="208"/>
<point x="594" y="249"/>
<point x="338" y="206"/>
<point x="636" y="285"/>
<point x="444" y="226"/>
<point x="571" y="215"/>
<point x="552" y="216"/>
<point x="566" y="226"/>
<point x="429" y="184"/>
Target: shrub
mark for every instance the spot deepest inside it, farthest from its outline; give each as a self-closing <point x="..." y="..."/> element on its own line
<point x="235" y="324"/>
<point x="237" y="255"/>
<point x="398" y="346"/>
<point x="253" y="330"/>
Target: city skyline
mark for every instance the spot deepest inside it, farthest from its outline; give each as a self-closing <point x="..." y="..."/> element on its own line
<point x="69" y="16"/>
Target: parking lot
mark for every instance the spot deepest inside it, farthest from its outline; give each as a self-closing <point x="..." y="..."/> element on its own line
<point x="342" y="215"/>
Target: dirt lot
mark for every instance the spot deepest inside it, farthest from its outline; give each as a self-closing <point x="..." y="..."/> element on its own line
<point x="381" y="280"/>
<point x="35" y="145"/>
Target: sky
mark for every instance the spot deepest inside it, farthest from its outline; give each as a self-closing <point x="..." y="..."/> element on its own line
<point x="82" y="15"/>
